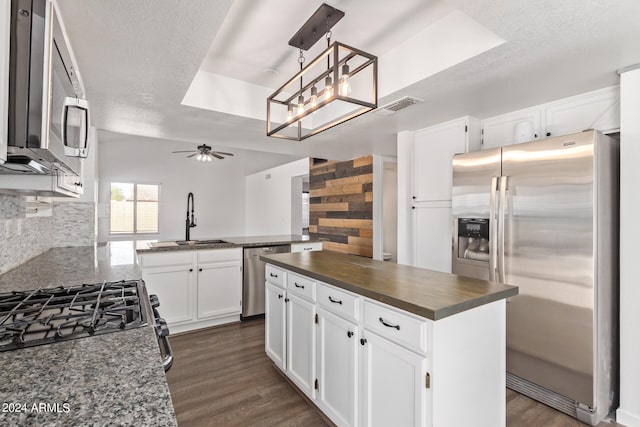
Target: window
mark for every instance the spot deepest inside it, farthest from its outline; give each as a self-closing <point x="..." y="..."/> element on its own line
<point x="134" y="208"/>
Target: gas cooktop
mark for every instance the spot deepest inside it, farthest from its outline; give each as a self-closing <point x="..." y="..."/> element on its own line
<point x="43" y="316"/>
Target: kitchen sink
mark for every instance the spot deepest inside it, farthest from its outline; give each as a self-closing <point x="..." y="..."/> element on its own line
<point x="200" y="242"/>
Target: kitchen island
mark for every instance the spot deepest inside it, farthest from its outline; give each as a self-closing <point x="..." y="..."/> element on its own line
<point x="115" y="378"/>
<point x="377" y="343"/>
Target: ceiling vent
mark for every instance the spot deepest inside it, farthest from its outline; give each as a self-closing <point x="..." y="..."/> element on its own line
<point x="397" y="105"/>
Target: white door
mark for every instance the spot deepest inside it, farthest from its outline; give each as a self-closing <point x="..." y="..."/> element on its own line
<point x="393" y="390"/>
<point x="337" y="368"/>
<point x="174" y="287"/>
<point x="433" y="150"/>
<point x="219" y="289"/>
<point x="275" y="326"/>
<point x="301" y="339"/>
<point x="432" y="236"/>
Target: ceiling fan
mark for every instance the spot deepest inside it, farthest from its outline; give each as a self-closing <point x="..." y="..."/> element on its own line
<point x="205" y="154"/>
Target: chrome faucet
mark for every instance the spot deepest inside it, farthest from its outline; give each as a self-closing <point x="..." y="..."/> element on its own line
<point x="191" y="221"/>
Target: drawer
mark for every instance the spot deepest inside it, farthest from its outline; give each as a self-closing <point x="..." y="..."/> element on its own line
<point x="302" y="286"/>
<point x="396" y="325"/>
<point x="166" y="259"/>
<point x="304" y="247"/>
<point x="215" y="255"/>
<point x="339" y="302"/>
<point x="274" y="275"/>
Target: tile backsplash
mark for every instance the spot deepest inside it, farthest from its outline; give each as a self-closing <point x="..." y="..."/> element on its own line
<point x="22" y="238"/>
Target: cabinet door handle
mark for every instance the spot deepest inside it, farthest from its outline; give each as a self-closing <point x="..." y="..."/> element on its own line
<point x="308" y="249"/>
<point x="388" y="325"/>
<point x="298" y="286"/>
<point x="273" y="275"/>
<point x="279" y="296"/>
<point x="286" y="300"/>
<point x="349" y="334"/>
<point x="363" y="341"/>
<point x="335" y="301"/>
<point x="199" y="269"/>
<point x="191" y="269"/>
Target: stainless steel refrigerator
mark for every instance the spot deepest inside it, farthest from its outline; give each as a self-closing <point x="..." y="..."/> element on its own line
<point x="543" y="216"/>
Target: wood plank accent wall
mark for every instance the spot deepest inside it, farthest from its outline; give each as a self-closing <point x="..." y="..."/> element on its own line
<point x="341" y="204"/>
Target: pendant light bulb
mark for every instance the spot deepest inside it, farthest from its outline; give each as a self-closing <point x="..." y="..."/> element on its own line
<point x="328" y="89"/>
<point x="289" y="112"/>
<point x="300" y="109"/>
<point x="199" y="157"/>
<point x="314" y="97"/>
<point x="345" y="86"/>
<point x="209" y="158"/>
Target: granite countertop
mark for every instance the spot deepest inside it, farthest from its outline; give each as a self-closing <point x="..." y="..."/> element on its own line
<point x="228" y="242"/>
<point x="427" y="293"/>
<point x="114" y="378"/>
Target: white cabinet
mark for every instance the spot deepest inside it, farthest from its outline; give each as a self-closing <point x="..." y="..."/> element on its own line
<point x="275" y="324"/>
<point x="433" y="149"/>
<point x="594" y="110"/>
<point x="432" y="240"/>
<point x="301" y="345"/>
<point x="5" y="25"/>
<point x="393" y="384"/>
<point x="428" y="175"/>
<point x="197" y="289"/>
<point x="500" y="131"/>
<point x="306" y="247"/>
<point x="174" y="287"/>
<point x="219" y="289"/>
<point x="598" y="110"/>
<point x="337" y="368"/>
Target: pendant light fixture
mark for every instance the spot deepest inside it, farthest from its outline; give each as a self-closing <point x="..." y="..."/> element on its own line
<point x="321" y="96"/>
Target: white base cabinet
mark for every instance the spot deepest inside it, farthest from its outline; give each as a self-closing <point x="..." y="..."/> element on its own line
<point x="337" y="368"/>
<point x="393" y="384"/>
<point x="364" y="363"/>
<point x="301" y="334"/>
<point x="196" y="289"/>
<point x="275" y="324"/>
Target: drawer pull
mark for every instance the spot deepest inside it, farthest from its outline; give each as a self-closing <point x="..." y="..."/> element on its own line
<point x="279" y="296"/>
<point x="335" y="301"/>
<point x="389" y="325"/>
<point x="273" y="275"/>
<point x="349" y="334"/>
<point x="298" y="286"/>
<point x="308" y="249"/>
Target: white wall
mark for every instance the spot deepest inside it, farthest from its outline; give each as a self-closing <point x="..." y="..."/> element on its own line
<point x="218" y="186"/>
<point x="405" y="251"/>
<point x="390" y="209"/>
<point x="268" y="199"/>
<point x="629" y="412"/>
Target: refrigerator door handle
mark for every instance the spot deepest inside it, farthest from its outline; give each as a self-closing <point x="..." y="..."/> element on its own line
<point x="501" y="221"/>
<point x="493" y="238"/>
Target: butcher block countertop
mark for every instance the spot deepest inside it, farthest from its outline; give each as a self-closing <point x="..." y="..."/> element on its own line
<point x="427" y="293"/>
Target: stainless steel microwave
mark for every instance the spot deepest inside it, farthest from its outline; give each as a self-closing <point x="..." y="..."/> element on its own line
<point x="48" y="115"/>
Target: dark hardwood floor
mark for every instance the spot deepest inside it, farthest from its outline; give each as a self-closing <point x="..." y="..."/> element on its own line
<point x="222" y="377"/>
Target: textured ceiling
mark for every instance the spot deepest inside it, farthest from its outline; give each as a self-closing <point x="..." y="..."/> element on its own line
<point x="138" y="58"/>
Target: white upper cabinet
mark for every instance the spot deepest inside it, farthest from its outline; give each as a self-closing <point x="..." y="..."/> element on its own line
<point x="500" y="131"/>
<point x="5" y="21"/>
<point x="594" y="110"/>
<point x="433" y="149"/>
<point x="598" y="110"/>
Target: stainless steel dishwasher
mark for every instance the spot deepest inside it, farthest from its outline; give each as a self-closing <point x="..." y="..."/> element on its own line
<point x="253" y="279"/>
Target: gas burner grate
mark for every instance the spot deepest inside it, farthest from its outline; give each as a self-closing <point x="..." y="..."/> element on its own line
<point x="42" y="316"/>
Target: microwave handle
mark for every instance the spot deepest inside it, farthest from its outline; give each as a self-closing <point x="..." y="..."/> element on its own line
<point x="81" y="104"/>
